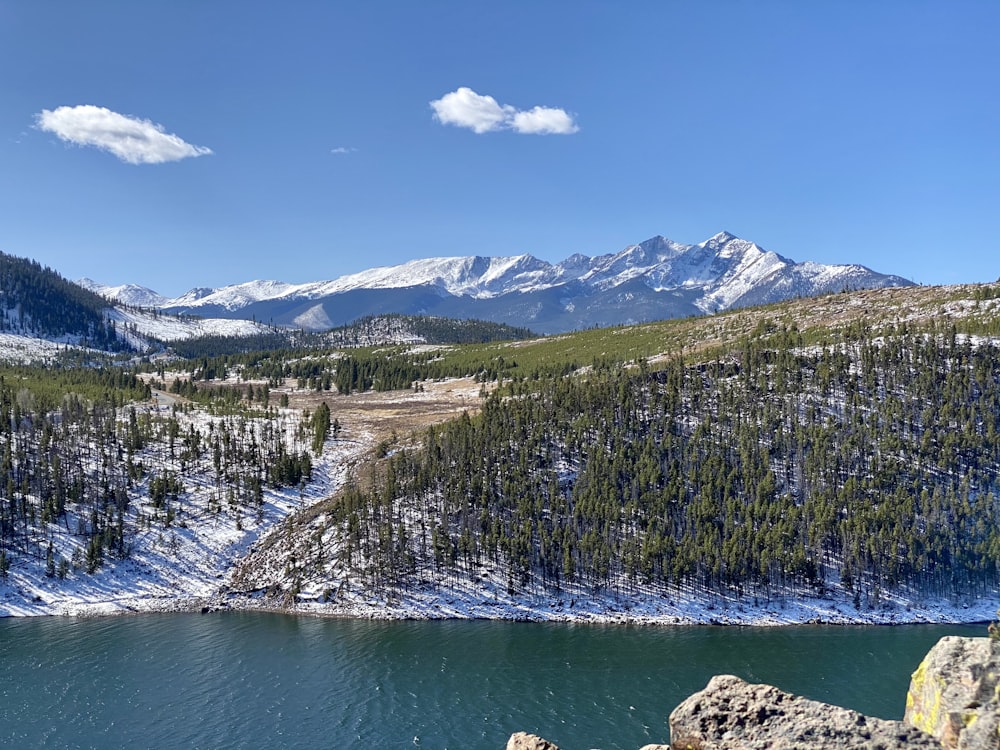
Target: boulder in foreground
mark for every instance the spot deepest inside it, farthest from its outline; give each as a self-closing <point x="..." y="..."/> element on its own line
<point x="731" y="714"/>
<point x="525" y="741"/>
<point x="953" y="693"/>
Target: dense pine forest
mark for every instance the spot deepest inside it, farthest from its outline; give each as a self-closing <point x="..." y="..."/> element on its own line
<point x="379" y="329"/>
<point x="776" y="466"/>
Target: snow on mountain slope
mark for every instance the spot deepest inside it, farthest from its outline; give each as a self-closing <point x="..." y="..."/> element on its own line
<point x="173" y="328"/>
<point x="135" y="328"/>
<point x="238" y="295"/>
<point x="128" y="294"/>
<point x="652" y="259"/>
<point x="742" y="266"/>
<point x="472" y="276"/>
<point x="313" y="319"/>
<point x="15" y="349"/>
<point x="670" y="277"/>
<point x="135" y="325"/>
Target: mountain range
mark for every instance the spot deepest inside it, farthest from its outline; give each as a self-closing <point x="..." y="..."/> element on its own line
<point x="652" y="280"/>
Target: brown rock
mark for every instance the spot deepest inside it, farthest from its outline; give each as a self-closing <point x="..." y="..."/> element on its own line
<point x="525" y="741"/>
<point x="954" y="693"/>
<point x="730" y="714"/>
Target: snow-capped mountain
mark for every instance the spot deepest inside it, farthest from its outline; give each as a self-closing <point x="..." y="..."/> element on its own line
<point x="126" y="294"/>
<point x="654" y="279"/>
<point x="135" y="326"/>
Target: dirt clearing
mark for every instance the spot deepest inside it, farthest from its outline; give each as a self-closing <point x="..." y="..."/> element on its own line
<point x="379" y="416"/>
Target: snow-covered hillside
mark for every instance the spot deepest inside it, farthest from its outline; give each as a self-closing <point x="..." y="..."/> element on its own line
<point x="15" y="349"/>
<point x="185" y="562"/>
<point x="137" y="328"/>
<point x="142" y="324"/>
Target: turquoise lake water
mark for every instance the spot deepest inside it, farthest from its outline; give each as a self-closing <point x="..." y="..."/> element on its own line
<point x="234" y="680"/>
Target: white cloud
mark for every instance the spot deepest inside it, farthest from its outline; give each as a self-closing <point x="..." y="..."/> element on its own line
<point x="131" y="139"/>
<point x="467" y="109"/>
<point x="464" y="108"/>
<point x="343" y="150"/>
<point x="543" y="121"/>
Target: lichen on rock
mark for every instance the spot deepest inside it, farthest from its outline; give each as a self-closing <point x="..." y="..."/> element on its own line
<point x="953" y="694"/>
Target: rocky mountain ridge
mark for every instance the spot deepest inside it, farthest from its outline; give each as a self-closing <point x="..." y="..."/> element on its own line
<point x="655" y="279"/>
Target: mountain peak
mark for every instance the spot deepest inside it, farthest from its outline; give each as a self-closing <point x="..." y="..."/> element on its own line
<point x="722" y="239"/>
<point x="129" y="294"/>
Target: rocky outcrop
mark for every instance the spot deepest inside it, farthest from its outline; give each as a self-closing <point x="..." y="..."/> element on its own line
<point x="731" y="714"/>
<point x="525" y="741"/>
<point x="953" y="703"/>
<point x="954" y="693"/>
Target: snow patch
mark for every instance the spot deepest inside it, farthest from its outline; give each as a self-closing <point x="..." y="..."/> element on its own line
<point x="314" y="319"/>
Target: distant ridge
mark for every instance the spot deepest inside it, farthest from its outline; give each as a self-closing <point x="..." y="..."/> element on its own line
<point x="655" y="279"/>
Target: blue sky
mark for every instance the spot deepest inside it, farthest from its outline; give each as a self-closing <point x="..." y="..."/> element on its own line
<point x="193" y="143"/>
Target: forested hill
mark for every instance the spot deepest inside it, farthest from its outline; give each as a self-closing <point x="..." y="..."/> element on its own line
<point x="369" y="331"/>
<point x="868" y="463"/>
<point x="37" y="301"/>
<point x="376" y="330"/>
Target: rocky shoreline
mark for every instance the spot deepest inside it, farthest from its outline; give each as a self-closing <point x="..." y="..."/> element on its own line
<point x="448" y="605"/>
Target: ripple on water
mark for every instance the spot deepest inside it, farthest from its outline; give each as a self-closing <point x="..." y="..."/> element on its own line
<point x="257" y="680"/>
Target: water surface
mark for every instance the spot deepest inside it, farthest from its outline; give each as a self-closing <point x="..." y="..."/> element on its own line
<point x="229" y="680"/>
